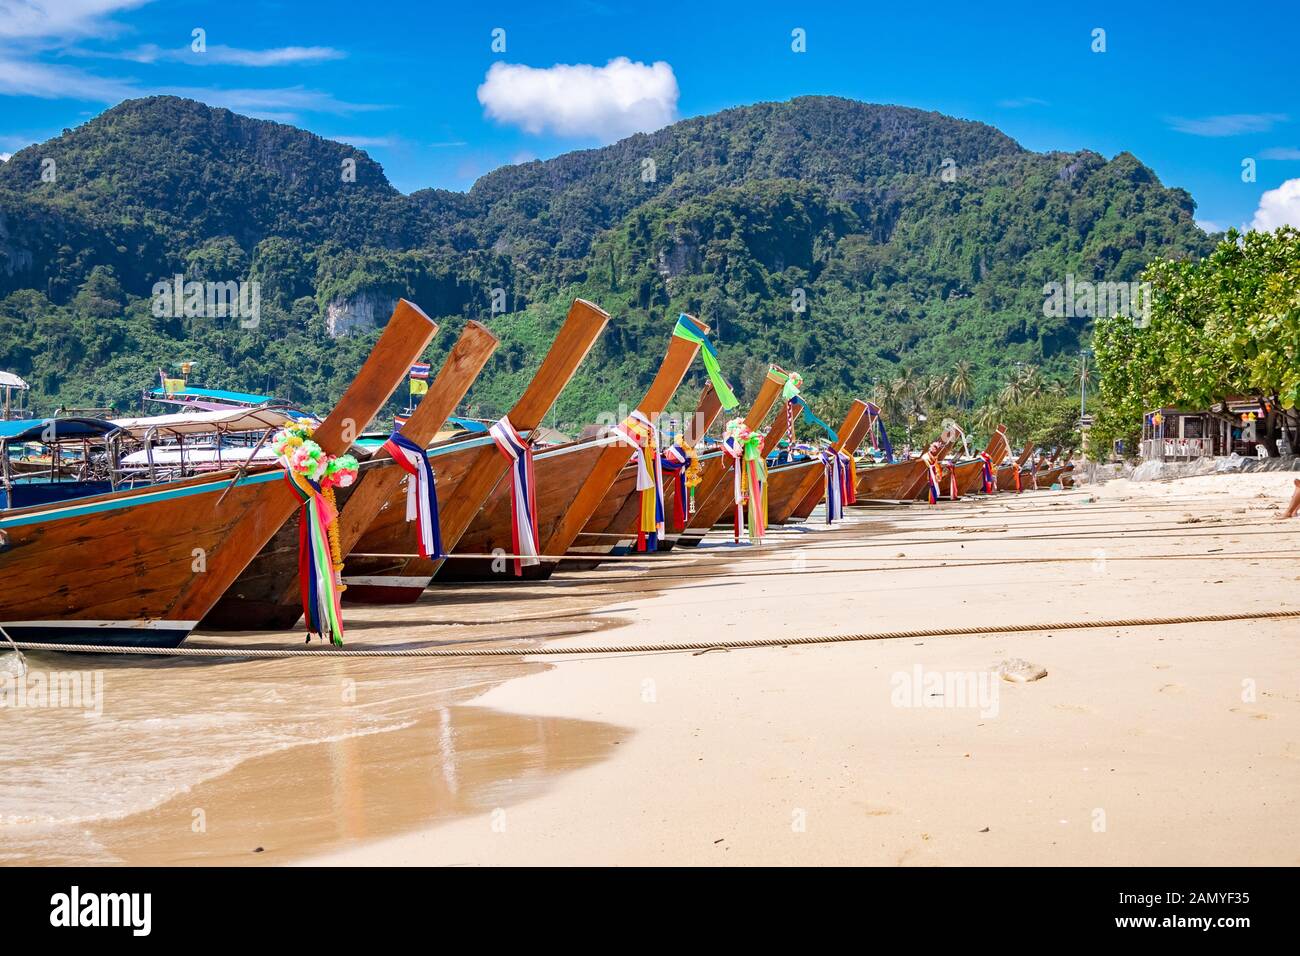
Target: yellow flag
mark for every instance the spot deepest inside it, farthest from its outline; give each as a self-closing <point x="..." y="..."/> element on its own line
<point x="419" y="386"/>
<point x="173" y="385"/>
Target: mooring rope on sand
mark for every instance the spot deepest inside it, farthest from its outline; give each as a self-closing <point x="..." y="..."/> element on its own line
<point x="664" y="646"/>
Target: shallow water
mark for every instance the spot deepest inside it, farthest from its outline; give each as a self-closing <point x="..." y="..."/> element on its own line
<point x="194" y="760"/>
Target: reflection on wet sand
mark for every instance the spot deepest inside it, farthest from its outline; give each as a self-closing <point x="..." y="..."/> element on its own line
<point x="460" y="760"/>
<point x="204" y="761"/>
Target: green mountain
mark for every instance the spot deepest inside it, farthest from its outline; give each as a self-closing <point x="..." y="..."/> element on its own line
<point x="846" y="240"/>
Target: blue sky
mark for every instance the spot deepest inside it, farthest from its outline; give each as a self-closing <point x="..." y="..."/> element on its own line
<point x="1192" y="90"/>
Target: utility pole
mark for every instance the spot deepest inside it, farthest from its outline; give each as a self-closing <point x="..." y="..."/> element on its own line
<point x="1083" y="382"/>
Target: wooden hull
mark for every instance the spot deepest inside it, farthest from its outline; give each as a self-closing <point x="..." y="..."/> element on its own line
<point x="112" y="569"/>
<point x="267" y="596"/>
<point x="618" y="519"/>
<point x="813" y="486"/>
<point x="1006" y="474"/>
<point x="468" y="472"/>
<point x="1007" y="477"/>
<point x="583" y="481"/>
<point x="787" y="485"/>
<point x="715" y="495"/>
<point x="889" y="482"/>
<point x="561" y="473"/>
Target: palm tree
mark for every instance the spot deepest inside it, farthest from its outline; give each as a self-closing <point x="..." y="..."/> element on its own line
<point x="987" y="418"/>
<point x="936" y="390"/>
<point x="1031" y="382"/>
<point x="960" y="384"/>
<point x="1012" y="393"/>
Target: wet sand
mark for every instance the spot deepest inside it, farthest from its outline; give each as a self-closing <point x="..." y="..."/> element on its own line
<point x="1173" y="744"/>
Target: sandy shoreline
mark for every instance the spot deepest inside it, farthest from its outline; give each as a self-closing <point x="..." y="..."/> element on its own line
<point x="1137" y="748"/>
<point x="1155" y="745"/>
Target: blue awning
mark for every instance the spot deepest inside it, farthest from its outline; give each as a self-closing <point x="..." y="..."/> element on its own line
<point x="59" y="429"/>
<point x="215" y="395"/>
<point x="469" y="424"/>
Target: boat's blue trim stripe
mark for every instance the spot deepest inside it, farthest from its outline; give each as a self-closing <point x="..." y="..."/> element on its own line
<point x="132" y="501"/>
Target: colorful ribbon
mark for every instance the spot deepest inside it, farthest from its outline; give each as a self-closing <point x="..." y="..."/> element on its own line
<point x="639" y="432"/>
<point x="686" y="329"/>
<point x="523" y="493"/>
<point x="833" y="481"/>
<point x="317" y="577"/>
<point x="421" y="492"/>
<point x="750" y="479"/>
<point x="676" y="460"/>
<point x="931" y="476"/>
<point x="849" y="477"/>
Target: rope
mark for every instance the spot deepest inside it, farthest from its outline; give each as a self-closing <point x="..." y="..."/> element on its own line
<point x="666" y="646"/>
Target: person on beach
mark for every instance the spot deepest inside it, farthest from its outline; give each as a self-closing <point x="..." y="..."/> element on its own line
<point x="1294" y="506"/>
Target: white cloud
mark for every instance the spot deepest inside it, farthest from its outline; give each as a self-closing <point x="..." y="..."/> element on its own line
<point x="219" y="55"/>
<point x="47" y="81"/>
<point x="1021" y="102"/>
<point x="61" y="19"/>
<point x="1230" y="125"/>
<point x="1280" y="152"/>
<point x="1278" y="207"/>
<point x="1207" y="225"/>
<point x="581" y="100"/>
<point x="52" y="81"/>
<point x="365" y="142"/>
<point x="4" y="157"/>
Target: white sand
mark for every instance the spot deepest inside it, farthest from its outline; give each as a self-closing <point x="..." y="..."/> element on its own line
<point x="1143" y="745"/>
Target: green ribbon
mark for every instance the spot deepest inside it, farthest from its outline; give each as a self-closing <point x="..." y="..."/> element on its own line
<point x="686" y="329"/>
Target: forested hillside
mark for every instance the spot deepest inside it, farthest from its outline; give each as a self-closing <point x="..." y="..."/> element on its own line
<point x="859" y="244"/>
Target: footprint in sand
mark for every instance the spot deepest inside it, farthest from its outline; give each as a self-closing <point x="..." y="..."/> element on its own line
<point x="1252" y="714"/>
<point x="1073" y="708"/>
<point x="1171" y="689"/>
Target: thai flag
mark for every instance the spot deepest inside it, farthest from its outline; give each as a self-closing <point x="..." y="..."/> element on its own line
<point x="523" y="501"/>
<point x="421" y="370"/>
<point x="421" y="492"/>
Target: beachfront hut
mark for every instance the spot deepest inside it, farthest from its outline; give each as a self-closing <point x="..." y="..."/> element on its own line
<point x="1236" y="425"/>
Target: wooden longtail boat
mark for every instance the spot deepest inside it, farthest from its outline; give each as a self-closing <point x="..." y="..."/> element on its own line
<point x="714" y="496"/>
<point x="1007" y="473"/>
<point x="468" y="470"/>
<point x="572" y="480"/>
<point x="267" y="594"/>
<point x="142" y="567"/>
<point x="811" y="487"/>
<point x="970" y="474"/>
<point x="617" y="519"/>
<point x="1056" y="471"/>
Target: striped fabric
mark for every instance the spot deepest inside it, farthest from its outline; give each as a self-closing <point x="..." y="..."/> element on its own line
<point x="523" y="498"/>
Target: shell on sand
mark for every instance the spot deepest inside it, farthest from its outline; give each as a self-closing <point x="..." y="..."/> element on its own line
<point x="1019" y="671"/>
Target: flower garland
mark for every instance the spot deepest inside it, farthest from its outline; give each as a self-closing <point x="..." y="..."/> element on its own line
<point x="750" y="487"/>
<point x="314" y="474"/>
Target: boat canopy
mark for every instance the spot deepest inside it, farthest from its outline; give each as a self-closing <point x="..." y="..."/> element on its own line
<point x="10" y="380"/>
<point x="190" y="393"/>
<point x="197" y="423"/>
<point x="469" y="424"/>
<point x="45" y="430"/>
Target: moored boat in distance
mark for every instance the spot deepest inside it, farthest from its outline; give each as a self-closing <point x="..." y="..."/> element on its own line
<point x="384" y="567"/>
<point x="615" y="523"/>
<point x="714" y="495"/>
<point x="142" y="567"/>
<point x="572" y="480"/>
